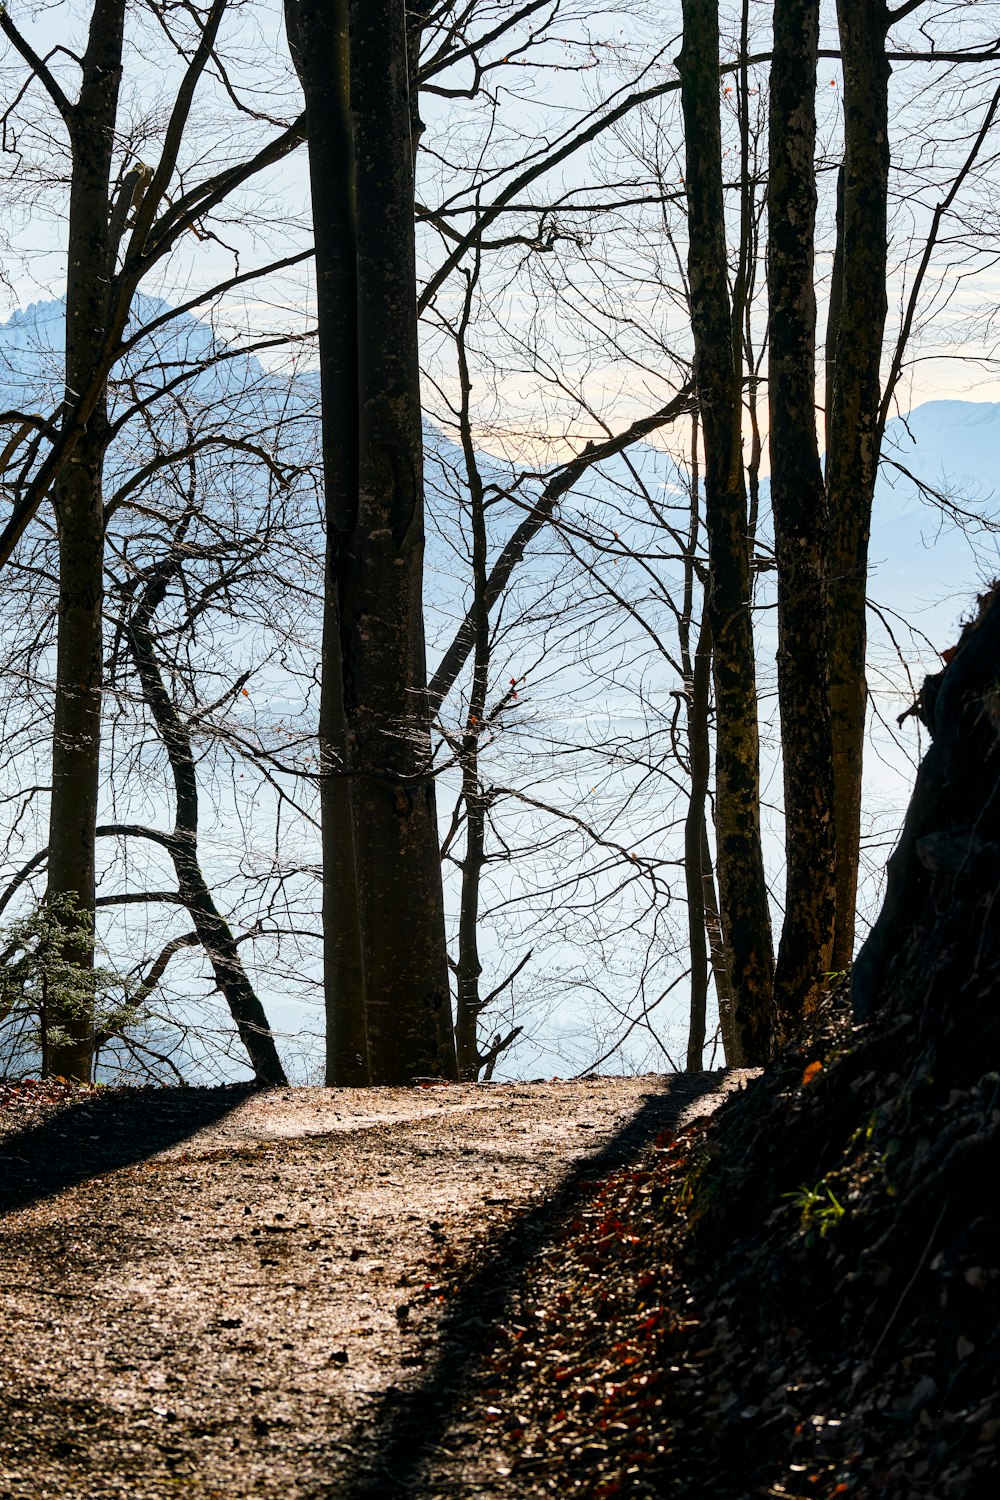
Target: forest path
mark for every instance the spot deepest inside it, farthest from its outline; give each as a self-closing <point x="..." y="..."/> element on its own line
<point x="217" y="1295"/>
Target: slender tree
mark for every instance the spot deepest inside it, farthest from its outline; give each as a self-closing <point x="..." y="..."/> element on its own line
<point x="145" y="218"/>
<point x="212" y="930"/>
<point x="743" y="891"/>
<point x="79" y="507"/>
<point x="798" y="504"/>
<point x="859" y="306"/>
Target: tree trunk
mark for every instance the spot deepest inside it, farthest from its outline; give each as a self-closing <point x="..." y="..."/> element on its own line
<point x="469" y="967"/>
<point x="318" y="36"/>
<point x="352" y="61"/>
<point x="852" y="457"/>
<point x="214" y="932"/>
<point x="732" y="1050"/>
<point x="704" y="924"/>
<point x="699" y="751"/>
<point x="79" y="508"/>
<point x="798" y="502"/>
<point x="743" y="890"/>
<point x="407" y="993"/>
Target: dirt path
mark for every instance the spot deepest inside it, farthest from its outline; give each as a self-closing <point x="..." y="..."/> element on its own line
<point x="223" y="1296"/>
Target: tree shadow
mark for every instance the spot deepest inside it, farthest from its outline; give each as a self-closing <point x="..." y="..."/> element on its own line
<point x="102" y="1133"/>
<point x="392" y="1445"/>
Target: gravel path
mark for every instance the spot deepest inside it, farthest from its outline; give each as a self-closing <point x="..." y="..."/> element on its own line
<point x="217" y="1295"/>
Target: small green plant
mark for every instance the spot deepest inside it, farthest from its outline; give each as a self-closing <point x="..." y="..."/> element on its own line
<point x="43" y="983"/>
<point x="821" y="1210"/>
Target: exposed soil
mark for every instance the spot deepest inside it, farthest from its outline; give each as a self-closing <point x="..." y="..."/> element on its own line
<point x="220" y="1293"/>
<point x="797" y="1298"/>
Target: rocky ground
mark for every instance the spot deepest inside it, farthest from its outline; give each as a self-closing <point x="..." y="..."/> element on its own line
<point x="220" y="1293"/>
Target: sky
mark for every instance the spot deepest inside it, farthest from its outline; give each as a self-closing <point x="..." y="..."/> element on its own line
<point x="571" y="303"/>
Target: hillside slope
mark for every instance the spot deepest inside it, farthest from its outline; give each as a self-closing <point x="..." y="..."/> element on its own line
<point x="851" y="1197"/>
<point x="801" y="1296"/>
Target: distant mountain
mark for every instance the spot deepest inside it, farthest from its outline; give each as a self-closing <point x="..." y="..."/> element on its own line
<point x="592" y="673"/>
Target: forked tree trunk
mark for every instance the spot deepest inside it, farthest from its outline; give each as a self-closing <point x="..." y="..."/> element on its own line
<point x="366" y="271"/>
<point x="743" y="891"/>
<point x="318" y="34"/>
<point x="798" y="502"/>
<point x="79" y="507"/>
<point x="853" y="427"/>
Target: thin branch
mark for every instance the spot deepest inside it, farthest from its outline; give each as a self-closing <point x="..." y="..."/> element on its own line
<point x="137" y="898"/>
<point x="37" y="66"/>
<point x="925" y="260"/>
<point x="506" y="983"/>
<point x="542" y="511"/>
<point x="22" y="875"/>
<point x="176" y="127"/>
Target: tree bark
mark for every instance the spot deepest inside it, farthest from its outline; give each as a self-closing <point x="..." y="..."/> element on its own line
<point x="407" y="992"/>
<point x="318" y="35"/>
<point x="798" y="502"/>
<point x="743" y="890"/>
<point x="79" y="508"/>
<point x="353" y="64"/>
<point x="852" y="457"/>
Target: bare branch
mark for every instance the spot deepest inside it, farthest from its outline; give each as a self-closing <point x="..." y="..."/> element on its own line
<point x="37" y="65"/>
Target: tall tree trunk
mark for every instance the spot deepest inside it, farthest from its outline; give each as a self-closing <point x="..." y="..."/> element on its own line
<point x="706" y="942"/>
<point x="407" y="993"/>
<point x="743" y="890"/>
<point x="79" y="508"/>
<point x="353" y="63"/>
<point x="318" y="36"/>
<point x="852" y="457"/>
<point x="798" y="502"/>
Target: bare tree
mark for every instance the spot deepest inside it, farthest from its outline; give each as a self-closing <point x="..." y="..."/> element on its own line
<point x="799" y="509"/>
<point x="375" y="648"/>
<point x="746" y="916"/>
<point x="139" y="223"/>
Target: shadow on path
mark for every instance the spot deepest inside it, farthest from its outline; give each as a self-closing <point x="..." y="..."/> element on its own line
<point x="105" y="1132"/>
<point x="407" y="1426"/>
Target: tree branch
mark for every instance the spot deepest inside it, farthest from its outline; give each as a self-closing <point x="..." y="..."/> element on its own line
<point x="37" y="66"/>
<point x="542" y="511"/>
